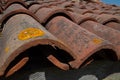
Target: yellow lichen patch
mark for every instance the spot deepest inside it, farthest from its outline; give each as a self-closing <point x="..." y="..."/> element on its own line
<point x="30" y="33"/>
<point x="6" y="49"/>
<point x="97" y="41"/>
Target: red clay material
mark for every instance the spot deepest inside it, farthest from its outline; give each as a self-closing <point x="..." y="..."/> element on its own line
<point x="19" y="11"/>
<point x="39" y="7"/>
<point x="19" y="65"/>
<point x="34" y="8"/>
<point x="44" y="14"/>
<point x="21" y="33"/>
<point x="102" y="12"/>
<point x="105" y="32"/>
<point x="56" y="62"/>
<point x="82" y="43"/>
<point x="81" y="28"/>
<point x="63" y="5"/>
<point x="15" y="1"/>
<point x="113" y="25"/>
<point x="9" y="2"/>
<point x="103" y="18"/>
<point x="81" y="18"/>
<point x="81" y="11"/>
<point x="11" y="8"/>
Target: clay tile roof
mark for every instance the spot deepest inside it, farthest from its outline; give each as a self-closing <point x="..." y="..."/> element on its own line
<point x="80" y="28"/>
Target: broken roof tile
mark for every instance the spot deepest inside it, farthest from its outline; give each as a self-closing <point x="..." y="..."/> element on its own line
<point x="24" y="39"/>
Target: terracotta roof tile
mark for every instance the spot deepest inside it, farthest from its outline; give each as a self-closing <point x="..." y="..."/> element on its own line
<point x="104" y="18"/>
<point x="103" y="31"/>
<point x="81" y="18"/>
<point x="79" y="40"/>
<point x="113" y="25"/>
<point x="81" y="28"/>
<point x="47" y="13"/>
<point x="13" y="2"/>
<point x="34" y="8"/>
<point x="19" y="11"/>
<point x="8" y="10"/>
<point x="14" y="35"/>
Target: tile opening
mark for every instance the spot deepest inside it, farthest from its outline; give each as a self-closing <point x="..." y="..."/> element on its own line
<point x="37" y="57"/>
<point x="103" y="54"/>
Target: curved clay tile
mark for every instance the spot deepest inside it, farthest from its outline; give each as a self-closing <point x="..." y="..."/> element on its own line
<point x="49" y="4"/>
<point x="67" y="3"/>
<point x="104" y="32"/>
<point x="81" y="11"/>
<point x="15" y="2"/>
<point x="18" y="66"/>
<point x="47" y="1"/>
<point x="108" y="20"/>
<point x="55" y="3"/>
<point x="97" y="12"/>
<point x="103" y="12"/>
<point x="44" y="14"/>
<point x="116" y="8"/>
<point x="104" y="18"/>
<point x="91" y="6"/>
<point x="75" y="4"/>
<point x="18" y="36"/>
<point x="113" y="25"/>
<point x="11" y="8"/>
<point x="41" y="1"/>
<point x="106" y="12"/>
<point x="34" y="8"/>
<point x="82" y="42"/>
<point x="81" y="18"/>
<point x="82" y="7"/>
<point x="32" y="3"/>
<point x="19" y="11"/>
<point x="109" y="12"/>
<point x="108" y="8"/>
<point x="92" y="15"/>
<point x="42" y="6"/>
<point x="117" y="13"/>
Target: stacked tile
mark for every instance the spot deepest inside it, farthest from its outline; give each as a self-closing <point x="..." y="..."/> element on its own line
<point x="81" y="28"/>
<point x="16" y="40"/>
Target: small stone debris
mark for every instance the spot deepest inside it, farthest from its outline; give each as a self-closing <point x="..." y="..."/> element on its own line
<point x="88" y="77"/>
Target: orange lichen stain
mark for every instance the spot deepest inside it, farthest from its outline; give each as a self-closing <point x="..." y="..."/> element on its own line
<point x="30" y="33"/>
<point x="6" y="49"/>
<point x="97" y="41"/>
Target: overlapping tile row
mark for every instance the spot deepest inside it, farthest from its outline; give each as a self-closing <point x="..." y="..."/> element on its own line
<point x="16" y="40"/>
<point x="84" y="29"/>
